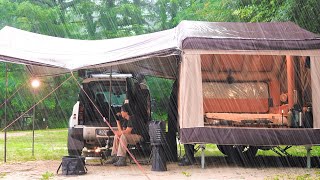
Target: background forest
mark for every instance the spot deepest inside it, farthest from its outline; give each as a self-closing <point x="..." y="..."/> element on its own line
<point x="104" y="19"/>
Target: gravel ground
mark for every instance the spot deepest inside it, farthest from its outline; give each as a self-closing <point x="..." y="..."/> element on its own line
<point x="217" y="168"/>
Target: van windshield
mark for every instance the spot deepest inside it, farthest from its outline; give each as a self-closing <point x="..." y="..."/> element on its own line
<point x="100" y="91"/>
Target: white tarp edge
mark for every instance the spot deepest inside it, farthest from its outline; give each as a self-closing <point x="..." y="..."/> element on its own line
<point x="72" y="54"/>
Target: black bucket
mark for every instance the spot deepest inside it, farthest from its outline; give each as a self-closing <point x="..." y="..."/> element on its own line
<point x="157" y="139"/>
<point x="73" y="165"/>
<point x="159" y="161"/>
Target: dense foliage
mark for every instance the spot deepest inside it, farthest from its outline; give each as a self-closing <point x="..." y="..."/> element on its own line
<point x="101" y="19"/>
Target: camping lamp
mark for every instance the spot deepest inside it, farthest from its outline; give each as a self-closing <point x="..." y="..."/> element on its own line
<point x="35" y="83"/>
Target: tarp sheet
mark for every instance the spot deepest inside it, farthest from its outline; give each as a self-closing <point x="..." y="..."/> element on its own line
<point x="24" y="47"/>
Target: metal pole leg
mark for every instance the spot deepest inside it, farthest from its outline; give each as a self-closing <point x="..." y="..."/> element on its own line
<point x="203" y="147"/>
<point x="308" y="148"/>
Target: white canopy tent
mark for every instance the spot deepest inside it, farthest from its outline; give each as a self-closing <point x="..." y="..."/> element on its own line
<point x="177" y="54"/>
<point x="52" y="55"/>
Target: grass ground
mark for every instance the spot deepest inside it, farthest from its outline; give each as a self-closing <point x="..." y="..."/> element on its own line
<point x="51" y="144"/>
<point x="300" y="151"/>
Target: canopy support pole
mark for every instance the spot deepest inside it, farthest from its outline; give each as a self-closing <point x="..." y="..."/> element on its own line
<point x="33" y="120"/>
<point x="5" y="114"/>
<point x="110" y="89"/>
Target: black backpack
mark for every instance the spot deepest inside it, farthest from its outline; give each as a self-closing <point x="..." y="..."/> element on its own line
<point x="73" y="165"/>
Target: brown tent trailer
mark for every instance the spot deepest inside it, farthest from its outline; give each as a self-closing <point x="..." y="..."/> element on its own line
<point x="239" y="84"/>
<point x="245" y="85"/>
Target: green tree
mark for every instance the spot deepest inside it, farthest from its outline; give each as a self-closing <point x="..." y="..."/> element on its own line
<point x="165" y="12"/>
<point x="169" y="13"/>
<point x="7" y="12"/>
<point x="305" y="13"/>
<point x="210" y="10"/>
<point x="160" y="90"/>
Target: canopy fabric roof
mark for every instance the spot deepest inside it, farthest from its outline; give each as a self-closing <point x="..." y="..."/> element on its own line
<point x="65" y="55"/>
<point x="154" y="53"/>
<point x="246" y="36"/>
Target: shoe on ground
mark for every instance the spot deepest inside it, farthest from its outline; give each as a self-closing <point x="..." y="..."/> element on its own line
<point x="112" y="160"/>
<point x="122" y="161"/>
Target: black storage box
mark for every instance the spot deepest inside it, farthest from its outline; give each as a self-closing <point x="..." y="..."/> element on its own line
<point x="73" y="165"/>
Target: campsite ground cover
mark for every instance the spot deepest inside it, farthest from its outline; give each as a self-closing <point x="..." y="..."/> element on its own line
<point x="219" y="170"/>
<point x="50" y="146"/>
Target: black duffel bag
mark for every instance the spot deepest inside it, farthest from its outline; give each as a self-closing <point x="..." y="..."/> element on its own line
<point x="73" y="165"/>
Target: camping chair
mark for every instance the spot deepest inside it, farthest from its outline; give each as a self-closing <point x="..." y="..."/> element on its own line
<point x="281" y="151"/>
<point x="140" y="151"/>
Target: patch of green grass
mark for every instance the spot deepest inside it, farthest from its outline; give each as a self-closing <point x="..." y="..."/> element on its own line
<point x="50" y="144"/>
<point x="306" y="176"/>
<point x="276" y="177"/>
<point x="186" y="174"/>
<point x="3" y="174"/>
<point x="317" y="173"/>
<point x="47" y="175"/>
<point x="212" y="150"/>
<point x="299" y="151"/>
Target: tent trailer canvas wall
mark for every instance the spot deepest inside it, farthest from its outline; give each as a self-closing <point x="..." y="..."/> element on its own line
<point x="234" y="98"/>
<point x="241" y="82"/>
